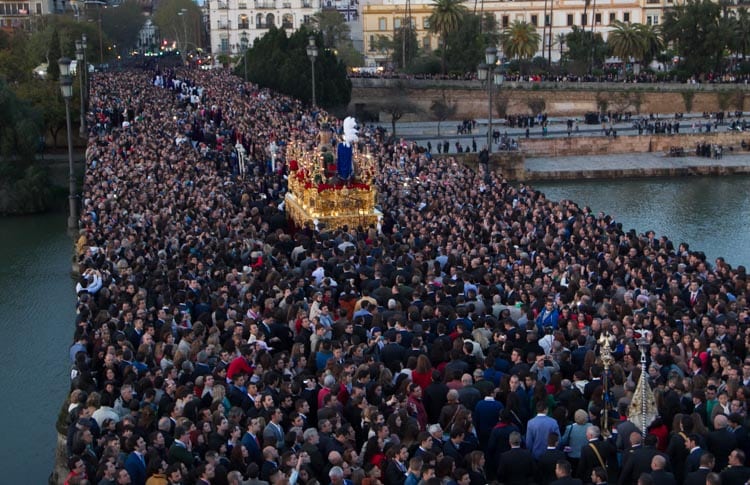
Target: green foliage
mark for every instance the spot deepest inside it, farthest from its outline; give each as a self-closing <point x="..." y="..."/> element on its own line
<point x="405" y="47"/>
<point x="723" y="99"/>
<point x="520" y="40"/>
<point x="426" y="64"/>
<point x="277" y="62"/>
<point x="586" y="50"/>
<point x="349" y="55"/>
<point x="396" y="106"/>
<point x="446" y="17"/>
<point x="53" y="54"/>
<point x="332" y="26"/>
<point x="466" y="45"/>
<point x="19" y="132"/>
<point x="699" y="33"/>
<point x="16" y="62"/>
<point x="44" y="97"/>
<point x="121" y="24"/>
<point x="502" y="100"/>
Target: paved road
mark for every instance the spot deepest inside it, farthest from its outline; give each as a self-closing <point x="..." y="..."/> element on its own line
<point x="632" y="162"/>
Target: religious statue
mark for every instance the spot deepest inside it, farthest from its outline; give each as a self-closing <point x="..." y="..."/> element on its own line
<point x="345" y="166"/>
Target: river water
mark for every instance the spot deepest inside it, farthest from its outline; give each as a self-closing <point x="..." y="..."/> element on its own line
<point x="38" y="305"/>
<point x="37" y="296"/>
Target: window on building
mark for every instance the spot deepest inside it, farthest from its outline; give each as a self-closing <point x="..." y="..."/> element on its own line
<point x="612" y="17"/>
<point x="598" y="19"/>
<point x="626" y="17"/>
<point x="382" y="23"/>
<point x="39" y="9"/>
<point x="243" y="22"/>
<point x="396" y="23"/>
<point x="426" y="43"/>
<point x="371" y="44"/>
<point x="547" y="20"/>
<point x="535" y="20"/>
<point x="306" y="19"/>
<point x="224" y="47"/>
<point x="426" y="23"/>
<point x="270" y="20"/>
<point x="287" y="21"/>
<point x="569" y="21"/>
<point x="506" y="21"/>
<point x="584" y="19"/>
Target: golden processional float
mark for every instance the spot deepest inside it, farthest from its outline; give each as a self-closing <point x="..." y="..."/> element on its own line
<point x="330" y="191"/>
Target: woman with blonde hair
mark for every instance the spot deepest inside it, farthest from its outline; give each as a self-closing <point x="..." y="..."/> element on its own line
<point x="476" y="468"/>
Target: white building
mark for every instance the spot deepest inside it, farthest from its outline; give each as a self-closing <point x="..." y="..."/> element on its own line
<point x="235" y="23"/>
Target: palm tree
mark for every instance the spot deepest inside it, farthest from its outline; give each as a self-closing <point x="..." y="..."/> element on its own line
<point x="560" y="40"/>
<point x="652" y="41"/>
<point x="520" y="40"/>
<point x="445" y="18"/>
<point x="626" y="41"/>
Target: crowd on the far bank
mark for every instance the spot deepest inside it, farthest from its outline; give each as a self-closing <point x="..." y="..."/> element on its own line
<point x="457" y="342"/>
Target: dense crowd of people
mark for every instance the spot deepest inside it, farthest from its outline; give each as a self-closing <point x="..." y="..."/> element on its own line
<point x="455" y="343"/>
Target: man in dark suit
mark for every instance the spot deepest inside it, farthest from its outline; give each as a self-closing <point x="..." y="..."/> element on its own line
<point x="545" y="466"/>
<point x="395" y="471"/>
<point x="596" y="453"/>
<point x="721" y="442"/>
<point x="135" y="463"/>
<point x="736" y="422"/>
<point x="698" y="477"/>
<point x="736" y="473"/>
<point x="516" y="465"/>
<point x="659" y="474"/>
<point x="639" y="461"/>
<point x="562" y="472"/>
<point x="392" y="354"/>
<point x="693" y="460"/>
<point x="434" y="397"/>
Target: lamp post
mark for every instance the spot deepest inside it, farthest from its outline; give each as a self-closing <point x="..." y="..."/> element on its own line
<point x="66" y="88"/>
<point x="312" y="53"/>
<point x="182" y="14"/>
<point x="85" y="73"/>
<point x="244" y="41"/>
<point x="487" y="72"/>
<point x="80" y="65"/>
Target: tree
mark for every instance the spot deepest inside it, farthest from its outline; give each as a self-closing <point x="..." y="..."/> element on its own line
<point x="626" y="41"/>
<point x="53" y="54"/>
<point x="396" y="106"/>
<point x="520" y="40"/>
<point x="277" y="62"/>
<point x="652" y="42"/>
<point x="466" y="45"/>
<point x="581" y="44"/>
<point x="405" y="47"/>
<point x="44" y="97"/>
<point x="446" y="18"/>
<point x="332" y="26"/>
<point x="122" y="23"/>
<point x="687" y="98"/>
<point x="19" y="132"/>
<point x="536" y="105"/>
<point x="699" y="37"/>
<point x="442" y="110"/>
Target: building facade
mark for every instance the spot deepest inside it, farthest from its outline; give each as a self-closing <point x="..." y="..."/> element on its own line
<point x="559" y="15"/>
<point x="234" y="24"/>
<point x="24" y="15"/>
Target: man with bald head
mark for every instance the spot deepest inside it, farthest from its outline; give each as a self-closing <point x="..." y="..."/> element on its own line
<point x="721" y="442"/>
<point x="659" y="473"/>
<point x="469" y="395"/>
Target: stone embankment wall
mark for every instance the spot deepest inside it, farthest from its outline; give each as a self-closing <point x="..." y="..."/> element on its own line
<point x="473" y="103"/>
<point x="600" y="145"/>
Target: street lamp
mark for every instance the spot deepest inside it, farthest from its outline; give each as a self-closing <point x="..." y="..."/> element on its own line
<point x="312" y="53"/>
<point x="182" y="14"/>
<point x="80" y="65"/>
<point x="85" y="73"/>
<point x="486" y="72"/>
<point x="66" y="88"/>
<point x="244" y="41"/>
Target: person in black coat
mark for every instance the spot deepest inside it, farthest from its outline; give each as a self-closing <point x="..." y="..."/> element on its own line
<point x="698" y="477"/>
<point x="516" y="465"/>
<point x="721" y="442"/>
<point x="659" y="474"/>
<point x="547" y="462"/>
<point x="693" y="460"/>
<point x="435" y="397"/>
<point x="736" y="422"/>
<point x="736" y="473"/>
<point x="392" y="354"/>
<point x="562" y="472"/>
<point x="640" y="461"/>
<point x="590" y="459"/>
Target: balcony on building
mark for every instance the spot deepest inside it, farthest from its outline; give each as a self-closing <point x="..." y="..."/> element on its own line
<point x="265" y="4"/>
